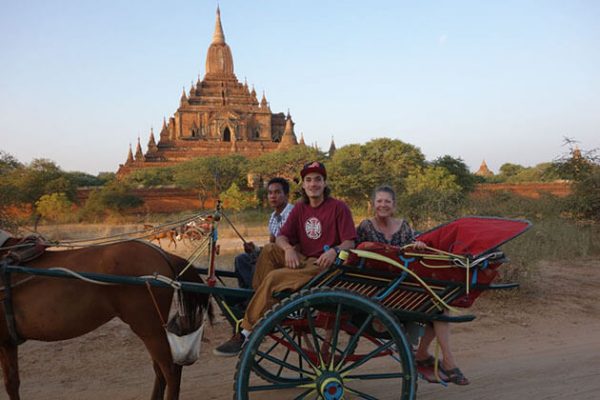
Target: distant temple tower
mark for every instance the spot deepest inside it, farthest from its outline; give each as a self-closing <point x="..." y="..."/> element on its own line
<point x="218" y="116"/>
<point x="484" y="170"/>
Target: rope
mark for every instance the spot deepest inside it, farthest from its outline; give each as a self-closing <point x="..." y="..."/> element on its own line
<point x="14" y="285"/>
<point x="78" y="276"/>
<point x="165" y="279"/>
<point x="233" y="227"/>
<point x="379" y="257"/>
<point x="162" y="320"/>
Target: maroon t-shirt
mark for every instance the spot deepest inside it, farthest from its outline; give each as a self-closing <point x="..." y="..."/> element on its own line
<point x="329" y="224"/>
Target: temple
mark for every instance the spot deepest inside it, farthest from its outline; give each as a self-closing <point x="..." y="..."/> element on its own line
<point x="484" y="170"/>
<point x="216" y="117"/>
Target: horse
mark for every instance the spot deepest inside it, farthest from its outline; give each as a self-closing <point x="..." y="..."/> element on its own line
<point x="52" y="309"/>
<point x="169" y="234"/>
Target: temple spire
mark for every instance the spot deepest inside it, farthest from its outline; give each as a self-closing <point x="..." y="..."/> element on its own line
<point x="184" y="98"/>
<point x="332" y="147"/>
<point x="218" y="36"/>
<point x="263" y="101"/>
<point x="219" y="61"/>
<point x="139" y="155"/>
<point x="152" y="148"/>
<point x="289" y="137"/>
<point x="129" y="155"/>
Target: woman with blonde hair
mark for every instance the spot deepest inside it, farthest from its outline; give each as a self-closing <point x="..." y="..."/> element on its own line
<point x="383" y="227"/>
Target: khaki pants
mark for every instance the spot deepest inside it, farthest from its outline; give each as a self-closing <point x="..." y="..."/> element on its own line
<point x="272" y="276"/>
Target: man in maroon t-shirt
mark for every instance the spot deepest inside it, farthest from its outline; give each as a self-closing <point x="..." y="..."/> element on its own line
<point x="316" y="229"/>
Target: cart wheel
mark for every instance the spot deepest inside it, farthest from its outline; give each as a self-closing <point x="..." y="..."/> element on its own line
<point x="311" y="347"/>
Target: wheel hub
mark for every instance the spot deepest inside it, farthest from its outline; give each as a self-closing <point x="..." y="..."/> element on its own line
<point x="331" y="386"/>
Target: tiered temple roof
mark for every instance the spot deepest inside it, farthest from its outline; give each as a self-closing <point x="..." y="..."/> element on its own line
<point x="218" y="116"/>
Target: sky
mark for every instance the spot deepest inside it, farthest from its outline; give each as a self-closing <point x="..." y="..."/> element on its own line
<point x="500" y="81"/>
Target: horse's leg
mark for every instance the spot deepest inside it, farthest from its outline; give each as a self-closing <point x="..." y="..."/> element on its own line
<point x="9" y="359"/>
<point x="170" y="372"/>
<point x="158" y="393"/>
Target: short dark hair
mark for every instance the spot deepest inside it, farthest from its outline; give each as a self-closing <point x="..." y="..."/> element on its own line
<point x="282" y="181"/>
<point x="386" y="189"/>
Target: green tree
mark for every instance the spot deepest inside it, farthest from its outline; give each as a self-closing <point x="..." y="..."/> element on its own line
<point x="356" y="170"/>
<point x="457" y="167"/>
<point x="82" y="179"/>
<point x="286" y="164"/>
<point x="235" y="199"/>
<point x="151" y="177"/>
<point x="8" y="163"/>
<point x="106" y="177"/>
<point x="432" y="195"/>
<point x="585" y="199"/>
<point x="114" y="198"/>
<point x="508" y="170"/>
<point x="55" y="207"/>
<point x="543" y="172"/>
<point x="211" y="175"/>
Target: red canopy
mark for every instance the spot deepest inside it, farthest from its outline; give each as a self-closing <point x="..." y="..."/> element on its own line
<point x="473" y="235"/>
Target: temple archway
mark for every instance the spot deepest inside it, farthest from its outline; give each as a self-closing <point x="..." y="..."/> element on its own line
<point x="227" y="135"/>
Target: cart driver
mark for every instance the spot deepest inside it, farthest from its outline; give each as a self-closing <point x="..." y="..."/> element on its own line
<point x="278" y="190"/>
<point x="316" y="223"/>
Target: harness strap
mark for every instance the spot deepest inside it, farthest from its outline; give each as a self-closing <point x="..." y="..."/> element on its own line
<point x="9" y="312"/>
<point x="162" y="320"/>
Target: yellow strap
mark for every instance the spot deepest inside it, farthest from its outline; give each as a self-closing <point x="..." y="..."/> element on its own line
<point x="378" y="257"/>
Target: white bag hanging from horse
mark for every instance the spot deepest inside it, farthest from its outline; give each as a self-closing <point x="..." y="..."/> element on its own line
<point x="185" y="348"/>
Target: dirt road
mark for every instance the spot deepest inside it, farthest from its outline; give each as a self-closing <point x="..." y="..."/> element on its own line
<point x="543" y="343"/>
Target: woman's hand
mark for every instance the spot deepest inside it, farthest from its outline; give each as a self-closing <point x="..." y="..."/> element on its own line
<point x="419" y="245"/>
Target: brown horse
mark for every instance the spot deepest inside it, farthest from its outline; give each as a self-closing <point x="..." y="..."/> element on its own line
<point x="169" y="234"/>
<point x="51" y="309"/>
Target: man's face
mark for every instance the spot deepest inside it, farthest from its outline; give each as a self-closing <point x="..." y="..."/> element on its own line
<point x="314" y="185"/>
<point x="276" y="196"/>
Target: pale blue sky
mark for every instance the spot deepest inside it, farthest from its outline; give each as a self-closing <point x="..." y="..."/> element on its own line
<point x="503" y="81"/>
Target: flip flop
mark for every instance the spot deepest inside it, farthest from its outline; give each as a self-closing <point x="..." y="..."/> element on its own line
<point x="455" y="376"/>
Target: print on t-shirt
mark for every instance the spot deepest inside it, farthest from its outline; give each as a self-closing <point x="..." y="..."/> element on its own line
<point x="313" y="228"/>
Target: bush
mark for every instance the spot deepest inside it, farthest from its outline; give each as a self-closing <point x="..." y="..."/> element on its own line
<point x="432" y="196"/>
<point x="234" y="199"/>
<point x="55" y="207"/>
<point x="114" y="198"/>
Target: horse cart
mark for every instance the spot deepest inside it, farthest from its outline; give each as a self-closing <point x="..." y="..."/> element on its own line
<point x="348" y="333"/>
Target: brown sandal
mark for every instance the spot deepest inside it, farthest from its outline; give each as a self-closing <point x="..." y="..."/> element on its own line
<point x="455" y="376"/>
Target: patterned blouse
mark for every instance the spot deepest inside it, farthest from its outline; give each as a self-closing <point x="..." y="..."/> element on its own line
<point x="367" y="232"/>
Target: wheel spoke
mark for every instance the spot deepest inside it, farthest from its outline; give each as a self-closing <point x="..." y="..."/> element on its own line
<point x="368" y="357"/>
<point x="353" y="341"/>
<point x="285" y="357"/>
<point x="374" y="376"/>
<point x="335" y="334"/>
<point x="362" y="395"/>
<point x="298" y="349"/>
<point x="279" y="386"/>
<point x="315" y="335"/>
<point x="268" y="351"/>
<point x="303" y="395"/>
<point x="285" y="364"/>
